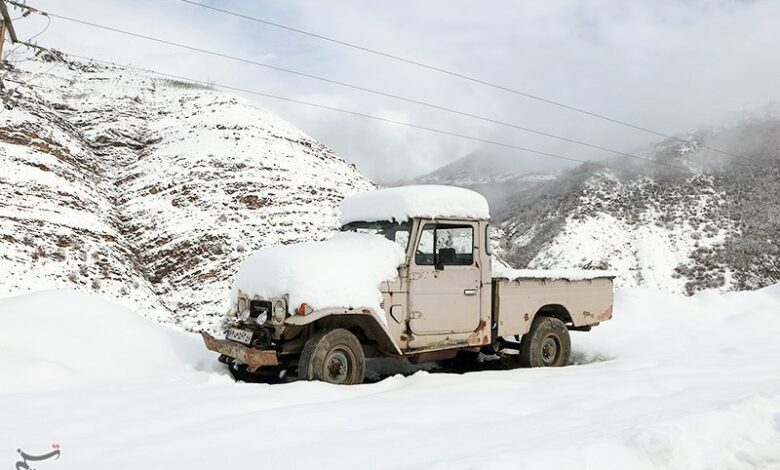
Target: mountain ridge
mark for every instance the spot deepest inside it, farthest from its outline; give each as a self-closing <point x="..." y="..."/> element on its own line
<point x="714" y="225"/>
<point x="150" y="191"/>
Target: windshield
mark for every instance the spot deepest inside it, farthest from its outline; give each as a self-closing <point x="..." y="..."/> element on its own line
<point x="397" y="232"/>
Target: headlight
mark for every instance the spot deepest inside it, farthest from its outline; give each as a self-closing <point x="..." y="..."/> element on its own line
<point x="280" y="311"/>
<point x="241" y="305"/>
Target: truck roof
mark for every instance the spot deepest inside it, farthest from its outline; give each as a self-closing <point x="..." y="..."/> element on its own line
<point x="405" y="202"/>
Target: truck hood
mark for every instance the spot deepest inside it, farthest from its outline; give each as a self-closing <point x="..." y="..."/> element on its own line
<point x="345" y="271"/>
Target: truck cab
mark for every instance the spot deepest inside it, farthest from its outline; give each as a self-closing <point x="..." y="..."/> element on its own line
<point x="442" y="299"/>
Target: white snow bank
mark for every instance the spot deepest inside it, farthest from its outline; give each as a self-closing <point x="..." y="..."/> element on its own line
<point x="501" y="270"/>
<point x="61" y="339"/>
<point x="344" y="271"/>
<point x="404" y="202"/>
<point x="688" y="383"/>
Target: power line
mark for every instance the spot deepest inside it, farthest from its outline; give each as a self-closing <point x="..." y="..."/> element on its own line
<point x="361" y="88"/>
<point x="357" y="114"/>
<point x="455" y="74"/>
<point x="28" y="43"/>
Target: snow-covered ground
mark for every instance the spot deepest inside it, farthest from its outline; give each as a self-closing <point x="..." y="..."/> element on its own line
<point x="670" y="382"/>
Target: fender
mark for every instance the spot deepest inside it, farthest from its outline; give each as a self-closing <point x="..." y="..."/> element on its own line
<point x="379" y="322"/>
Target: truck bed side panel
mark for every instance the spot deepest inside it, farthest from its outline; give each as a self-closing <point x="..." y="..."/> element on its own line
<point x="587" y="301"/>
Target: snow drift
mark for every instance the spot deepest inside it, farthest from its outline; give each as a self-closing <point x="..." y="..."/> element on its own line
<point x="404" y="202"/>
<point x="671" y="382"/>
<point x="344" y="271"/>
<point x="64" y="339"/>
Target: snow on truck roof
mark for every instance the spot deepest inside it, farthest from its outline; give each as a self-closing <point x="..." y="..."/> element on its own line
<point x="405" y="202"/>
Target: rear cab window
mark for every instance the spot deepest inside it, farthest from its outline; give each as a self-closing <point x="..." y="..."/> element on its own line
<point x="393" y="231"/>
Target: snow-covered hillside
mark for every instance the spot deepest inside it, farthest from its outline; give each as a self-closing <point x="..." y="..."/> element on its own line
<point x="645" y="244"/>
<point x="494" y="175"/>
<point x="487" y="168"/>
<point x="671" y="382"/>
<point x="703" y="220"/>
<point x="150" y="191"/>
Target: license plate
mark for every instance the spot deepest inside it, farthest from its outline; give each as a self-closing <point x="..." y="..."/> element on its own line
<point x="236" y="351"/>
<point x="242" y="336"/>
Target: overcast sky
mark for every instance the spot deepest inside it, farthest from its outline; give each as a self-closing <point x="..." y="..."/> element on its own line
<point x="668" y="65"/>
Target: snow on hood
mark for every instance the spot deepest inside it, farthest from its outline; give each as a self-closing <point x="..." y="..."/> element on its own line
<point x="404" y="202"/>
<point x="344" y="271"/>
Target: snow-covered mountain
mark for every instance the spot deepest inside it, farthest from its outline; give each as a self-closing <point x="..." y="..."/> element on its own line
<point x="150" y="191"/>
<point x="495" y="175"/>
<point x="488" y="168"/>
<point x="708" y="221"/>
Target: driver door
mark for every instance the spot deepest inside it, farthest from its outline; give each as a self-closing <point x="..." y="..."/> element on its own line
<point x="444" y="284"/>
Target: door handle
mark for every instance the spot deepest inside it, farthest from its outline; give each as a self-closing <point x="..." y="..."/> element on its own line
<point x="470" y="292"/>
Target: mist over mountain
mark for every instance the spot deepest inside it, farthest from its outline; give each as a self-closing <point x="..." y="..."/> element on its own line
<point x="697" y="219"/>
<point x="494" y="174"/>
<point x="702" y="220"/>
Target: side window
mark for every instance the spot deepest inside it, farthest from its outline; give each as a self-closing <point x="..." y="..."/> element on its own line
<point x="402" y="238"/>
<point x="447" y="245"/>
<point x="424" y="254"/>
<point x="488" y="240"/>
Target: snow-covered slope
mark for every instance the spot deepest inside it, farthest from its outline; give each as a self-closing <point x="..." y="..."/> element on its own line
<point x="488" y="168"/>
<point x="61" y="339"/>
<point x="671" y="382"/>
<point x="494" y="175"/>
<point x="150" y="191"/>
<point x="712" y="224"/>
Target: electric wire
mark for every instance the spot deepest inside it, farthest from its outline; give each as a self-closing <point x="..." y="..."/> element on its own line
<point x="359" y="88"/>
<point x="357" y="114"/>
<point x="45" y="28"/>
<point x="457" y="75"/>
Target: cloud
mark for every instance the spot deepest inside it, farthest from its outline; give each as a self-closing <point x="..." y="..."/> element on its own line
<point x="670" y="66"/>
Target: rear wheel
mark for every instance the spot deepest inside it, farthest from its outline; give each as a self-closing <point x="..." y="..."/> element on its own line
<point x="547" y="344"/>
<point x="333" y="356"/>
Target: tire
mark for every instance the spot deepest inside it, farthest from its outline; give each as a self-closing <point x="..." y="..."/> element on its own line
<point x="333" y="356"/>
<point x="547" y="344"/>
<point x="264" y="375"/>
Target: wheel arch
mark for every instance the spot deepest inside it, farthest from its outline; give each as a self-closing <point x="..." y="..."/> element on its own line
<point x="555" y="311"/>
<point x="365" y="327"/>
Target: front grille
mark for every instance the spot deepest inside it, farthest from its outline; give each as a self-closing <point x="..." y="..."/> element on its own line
<point x="263" y="338"/>
<point x="259" y="307"/>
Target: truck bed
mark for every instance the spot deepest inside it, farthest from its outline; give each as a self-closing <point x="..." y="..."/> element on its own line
<point x="584" y="296"/>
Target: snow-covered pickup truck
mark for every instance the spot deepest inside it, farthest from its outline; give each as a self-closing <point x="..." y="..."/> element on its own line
<point x="409" y="275"/>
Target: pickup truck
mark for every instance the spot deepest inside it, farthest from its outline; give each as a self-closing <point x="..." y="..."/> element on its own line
<point x="437" y="297"/>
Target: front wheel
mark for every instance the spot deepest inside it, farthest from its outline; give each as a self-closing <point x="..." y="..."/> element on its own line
<point x="547" y="344"/>
<point x="333" y="356"/>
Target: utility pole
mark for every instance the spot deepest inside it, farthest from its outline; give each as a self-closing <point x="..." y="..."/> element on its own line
<point x="6" y="24"/>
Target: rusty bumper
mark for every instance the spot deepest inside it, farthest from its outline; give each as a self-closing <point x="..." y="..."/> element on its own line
<point x="252" y="357"/>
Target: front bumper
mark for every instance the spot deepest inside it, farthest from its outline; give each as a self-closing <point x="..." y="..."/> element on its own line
<point x="252" y="357"/>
